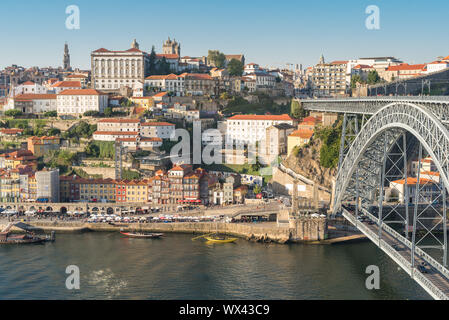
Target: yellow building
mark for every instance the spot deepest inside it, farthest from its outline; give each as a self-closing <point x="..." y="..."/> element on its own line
<point x="9" y="187"/>
<point x="298" y="138"/>
<point x="137" y="191"/>
<point x="97" y="190"/>
<point x="142" y="102"/>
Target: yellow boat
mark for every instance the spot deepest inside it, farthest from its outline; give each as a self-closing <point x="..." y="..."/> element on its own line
<point x="220" y="240"/>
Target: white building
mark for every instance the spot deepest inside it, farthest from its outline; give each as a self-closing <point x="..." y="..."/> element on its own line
<point x="113" y="135"/>
<point x="29" y="87"/>
<point x="140" y="142"/>
<point x="112" y="70"/>
<point x="32" y="103"/>
<point x="249" y="129"/>
<point x="263" y="79"/>
<point x="251" y="68"/>
<point x="167" y="83"/>
<point x="437" y="66"/>
<point x="428" y="190"/>
<point x="122" y="125"/>
<point x="76" y="102"/>
<point x="162" y="130"/>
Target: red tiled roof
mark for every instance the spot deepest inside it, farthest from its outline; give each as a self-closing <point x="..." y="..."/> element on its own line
<point x="303" y="134"/>
<point x="81" y="92"/>
<point x="282" y="117"/>
<point x="157" y="124"/>
<point x="112" y="120"/>
<point x="67" y="84"/>
<point x="116" y="133"/>
<point x="412" y="181"/>
<point x="76" y="76"/>
<point x="34" y="96"/>
<point x="161" y="94"/>
<point x="11" y="131"/>
<point x="153" y="139"/>
<point x="405" y="66"/>
<point x="167" y="56"/>
<point x="339" y="62"/>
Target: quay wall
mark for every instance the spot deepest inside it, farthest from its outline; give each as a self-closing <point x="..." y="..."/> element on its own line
<point x="301" y="230"/>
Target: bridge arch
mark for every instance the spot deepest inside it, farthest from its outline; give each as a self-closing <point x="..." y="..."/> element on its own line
<point x="395" y="119"/>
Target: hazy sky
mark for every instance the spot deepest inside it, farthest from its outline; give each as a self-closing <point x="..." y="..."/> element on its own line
<point x="271" y="33"/>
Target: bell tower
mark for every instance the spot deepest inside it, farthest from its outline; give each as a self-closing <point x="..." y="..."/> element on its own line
<point x="66" y="60"/>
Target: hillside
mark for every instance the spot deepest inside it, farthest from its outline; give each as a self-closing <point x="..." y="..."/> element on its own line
<point x="318" y="159"/>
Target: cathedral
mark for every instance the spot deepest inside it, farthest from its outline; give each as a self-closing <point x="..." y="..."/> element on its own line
<point x="66" y="60"/>
<point x="171" y="47"/>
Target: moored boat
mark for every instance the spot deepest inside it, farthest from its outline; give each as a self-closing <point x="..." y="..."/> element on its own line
<point x="142" y="235"/>
<point x="6" y="238"/>
<point x="29" y="237"/>
<point x="218" y="239"/>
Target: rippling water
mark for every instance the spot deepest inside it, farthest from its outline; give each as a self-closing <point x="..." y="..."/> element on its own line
<point x="114" y="267"/>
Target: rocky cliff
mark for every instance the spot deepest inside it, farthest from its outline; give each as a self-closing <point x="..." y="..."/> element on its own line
<point x="306" y="162"/>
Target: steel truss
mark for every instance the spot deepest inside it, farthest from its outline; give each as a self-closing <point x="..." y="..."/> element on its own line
<point x="437" y="105"/>
<point x="378" y="155"/>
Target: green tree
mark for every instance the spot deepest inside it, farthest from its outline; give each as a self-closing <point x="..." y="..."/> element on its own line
<point x="330" y="149"/>
<point x="235" y="67"/>
<point x="354" y="80"/>
<point x="163" y="67"/>
<point x="53" y="132"/>
<point x="13" y="113"/>
<point x="91" y="113"/>
<point x="296" y="110"/>
<point x="217" y="58"/>
<point x="51" y="114"/>
<point x="257" y="189"/>
<point x="92" y="150"/>
<point x="108" y="112"/>
<point x="373" y="77"/>
<point x="152" y="62"/>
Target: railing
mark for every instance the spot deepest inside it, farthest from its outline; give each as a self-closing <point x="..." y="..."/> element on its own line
<point x="441" y="99"/>
<point x="405" y="264"/>
<point x="430" y="286"/>
<point x="434" y="263"/>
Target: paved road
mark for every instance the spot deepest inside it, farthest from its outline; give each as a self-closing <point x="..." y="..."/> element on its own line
<point x="434" y="275"/>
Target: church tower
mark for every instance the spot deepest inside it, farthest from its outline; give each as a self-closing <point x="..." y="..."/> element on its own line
<point x="135" y="44"/>
<point x="66" y="60"/>
<point x="321" y="59"/>
<point x="171" y="47"/>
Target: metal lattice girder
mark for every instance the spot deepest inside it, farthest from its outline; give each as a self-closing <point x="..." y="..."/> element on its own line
<point x="416" y="119"/>
<point x="438" y="105"/>
<point x="350" y="130"/>
<point x="377" y="143"/>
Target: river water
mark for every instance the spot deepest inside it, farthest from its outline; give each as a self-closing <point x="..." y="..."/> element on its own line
<point x="115" y="267"/>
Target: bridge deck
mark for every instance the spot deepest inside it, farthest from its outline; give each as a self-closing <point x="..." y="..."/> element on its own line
<point x="433" y="281"/>
<point x="438" y="105"/>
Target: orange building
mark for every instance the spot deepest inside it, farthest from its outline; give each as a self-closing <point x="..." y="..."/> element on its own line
<point x="39" y="146"/>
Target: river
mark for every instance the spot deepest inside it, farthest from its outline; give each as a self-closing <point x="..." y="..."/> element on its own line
<point x="115" y="267"/>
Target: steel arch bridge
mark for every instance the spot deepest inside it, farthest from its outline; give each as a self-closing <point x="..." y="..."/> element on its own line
<point x="399" y="129"/>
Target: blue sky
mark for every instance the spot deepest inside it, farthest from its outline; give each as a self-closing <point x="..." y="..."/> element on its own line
<point x="271" y="33"/>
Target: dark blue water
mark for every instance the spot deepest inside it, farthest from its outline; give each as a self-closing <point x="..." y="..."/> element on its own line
<point x="114" y="267"/>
